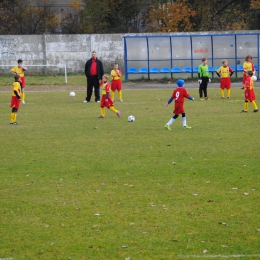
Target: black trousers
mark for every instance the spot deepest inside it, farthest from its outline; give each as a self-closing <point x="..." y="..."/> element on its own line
<point x="203" y="87"/>
<point x="93" y="82"/>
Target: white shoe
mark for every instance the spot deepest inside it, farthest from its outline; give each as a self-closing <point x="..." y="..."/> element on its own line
<point x="98" y="101"/>
<point x="23" y="102"/>
<point x="85" y="101"/>
<point x="121" y="100"/>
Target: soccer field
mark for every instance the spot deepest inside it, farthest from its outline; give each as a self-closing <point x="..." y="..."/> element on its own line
<point x="73" y="186"/>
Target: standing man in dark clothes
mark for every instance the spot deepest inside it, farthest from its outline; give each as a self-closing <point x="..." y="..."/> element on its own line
<point x="94" y="72"/>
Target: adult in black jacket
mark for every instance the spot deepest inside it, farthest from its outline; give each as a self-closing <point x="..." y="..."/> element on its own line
<point x="94" y="72"/>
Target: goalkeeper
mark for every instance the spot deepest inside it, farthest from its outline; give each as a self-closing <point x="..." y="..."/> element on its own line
<point x="203" y="74"/>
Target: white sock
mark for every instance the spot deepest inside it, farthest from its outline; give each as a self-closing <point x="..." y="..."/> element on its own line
<point x="170" y="121"/>
<point x="184" y="121"/>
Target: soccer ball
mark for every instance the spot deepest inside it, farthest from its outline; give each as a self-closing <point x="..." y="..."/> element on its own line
<point x="254" y="78"/>
<point x="72" y="94"/>
<point x="131" y="118"/>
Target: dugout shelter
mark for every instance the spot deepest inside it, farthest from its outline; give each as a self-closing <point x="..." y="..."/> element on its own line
<point x="174" y="56"/>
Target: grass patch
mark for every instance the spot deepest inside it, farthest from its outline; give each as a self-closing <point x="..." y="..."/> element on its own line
<point x="80" y="80"/>
<point x="165" y="80"/>
<point x="77" y="187"/>
<point x="48" y="80"/>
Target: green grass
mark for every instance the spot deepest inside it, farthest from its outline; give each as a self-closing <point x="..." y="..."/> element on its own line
<point x="49" y="80"/>
<point x="80" y="80"/>
<point x="159" y="194"/>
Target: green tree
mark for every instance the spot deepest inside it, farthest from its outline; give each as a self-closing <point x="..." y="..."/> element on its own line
<point x="255" y="15"/>
<point x="224" y="15"/>
<point x="105" y="16"/>
<point x="208" y="15"/>
<point x="70" y="24"/>
<point x="24" y="17"/>
<point x="126" y="15"/>
<point x="94" y="17"/>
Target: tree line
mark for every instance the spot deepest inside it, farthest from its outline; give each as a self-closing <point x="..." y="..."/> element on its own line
<point x="131" y="16"/>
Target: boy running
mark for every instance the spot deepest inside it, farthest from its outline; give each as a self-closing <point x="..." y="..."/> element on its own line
<point x="178" y="95"/>
<point x="106" y="100"/>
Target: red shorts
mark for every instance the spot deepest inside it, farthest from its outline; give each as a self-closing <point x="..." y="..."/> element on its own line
<point x="244" y="79"/>
<point x="15" y="102"/>
<point x="105" y="103"/>
<point x="249" y="95"/>
<point x="225" y="83"/>
<point x="178" y="109"/>
<point x="23" y="82"/>
<point x="116" y="85"/>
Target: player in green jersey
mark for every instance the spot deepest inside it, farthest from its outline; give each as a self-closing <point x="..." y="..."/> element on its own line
<point x="203" y="74"/>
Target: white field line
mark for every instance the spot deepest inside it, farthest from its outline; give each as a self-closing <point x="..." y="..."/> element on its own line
<point x="220" y="256"/>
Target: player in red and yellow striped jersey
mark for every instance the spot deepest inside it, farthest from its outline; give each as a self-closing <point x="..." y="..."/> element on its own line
<point x="249" y="92"/>
<point x="225" y="72"/>
<point x="15" y="100"/>
<point x="116" y="83"/>
<point x="106" y="100"/>
<point x="248" y="66"/>
<point x="19" y="70"/>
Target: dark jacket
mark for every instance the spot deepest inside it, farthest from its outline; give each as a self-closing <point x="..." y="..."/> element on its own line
<point x="100" y="69"/>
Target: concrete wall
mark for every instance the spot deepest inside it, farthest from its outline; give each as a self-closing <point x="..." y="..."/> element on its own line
<point x="72" y="50"/>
